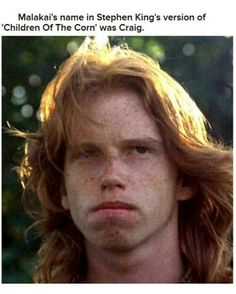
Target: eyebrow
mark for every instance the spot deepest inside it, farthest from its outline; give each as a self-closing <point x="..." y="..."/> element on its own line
<point x="142" y="140"/>
<point x="147" y="140"/>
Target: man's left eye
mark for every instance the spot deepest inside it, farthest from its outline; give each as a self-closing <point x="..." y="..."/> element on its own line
<point x="141" y="149"/>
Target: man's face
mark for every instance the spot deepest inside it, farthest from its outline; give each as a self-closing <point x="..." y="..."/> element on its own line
<point x="120" y="184"/>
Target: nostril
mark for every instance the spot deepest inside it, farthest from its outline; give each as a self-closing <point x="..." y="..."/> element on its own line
<point x="110" y="187"/>
<point x="109" y="184"/>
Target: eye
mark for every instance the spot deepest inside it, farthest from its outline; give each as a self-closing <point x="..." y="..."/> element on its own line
<point x="141" y="149"/>
<point x="87" y="153"/>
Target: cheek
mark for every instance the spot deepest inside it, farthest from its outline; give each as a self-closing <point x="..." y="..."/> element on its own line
<point x="156" y="184"/>
<point x="76" y="195"/>
<point x="80" y="188"/>
<point x="157" y="173"/>
<point x="77" y="178"/>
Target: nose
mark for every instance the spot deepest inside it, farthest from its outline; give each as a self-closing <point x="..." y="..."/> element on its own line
<point x="113" y="175"/>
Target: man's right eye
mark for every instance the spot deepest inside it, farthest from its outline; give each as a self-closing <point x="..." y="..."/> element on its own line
<point x="89" y="153"/>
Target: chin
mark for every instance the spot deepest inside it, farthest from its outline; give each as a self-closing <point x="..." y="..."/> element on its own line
<point x="116" y="242"/>
<point x="116" y="246"/>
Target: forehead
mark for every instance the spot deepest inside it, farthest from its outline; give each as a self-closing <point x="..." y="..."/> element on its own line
<point x="113" y="115"/>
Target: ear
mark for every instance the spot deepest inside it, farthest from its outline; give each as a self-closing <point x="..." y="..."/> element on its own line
<point x="64" y="199"/>
<point x="184" y="190"/>
<point x="65" y="203"/>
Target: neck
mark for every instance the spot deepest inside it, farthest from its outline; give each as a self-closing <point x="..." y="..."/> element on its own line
<point x="156" y="260"/>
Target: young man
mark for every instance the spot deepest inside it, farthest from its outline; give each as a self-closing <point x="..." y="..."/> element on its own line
<point x="130" y="186"/>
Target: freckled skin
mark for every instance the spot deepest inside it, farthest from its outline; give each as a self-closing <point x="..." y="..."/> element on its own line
<point x="115" y="171"/>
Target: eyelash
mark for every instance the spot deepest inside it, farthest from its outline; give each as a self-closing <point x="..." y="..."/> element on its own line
<point x="88" y="153"/>
<point x="141" y="148"/>
<point x="138" y="150"/>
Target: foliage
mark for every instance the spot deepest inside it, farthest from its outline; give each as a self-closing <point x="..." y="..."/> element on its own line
<point x="203" y="65"/>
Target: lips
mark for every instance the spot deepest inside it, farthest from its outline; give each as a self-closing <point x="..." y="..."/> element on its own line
<point x="114" y="205"/>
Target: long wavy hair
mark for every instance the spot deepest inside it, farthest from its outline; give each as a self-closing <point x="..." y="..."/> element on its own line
<point x="205" y="220"/>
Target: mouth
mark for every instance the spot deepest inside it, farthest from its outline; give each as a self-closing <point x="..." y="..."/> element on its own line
<point x="114" y="213"/>
<point x="114" y="205"/>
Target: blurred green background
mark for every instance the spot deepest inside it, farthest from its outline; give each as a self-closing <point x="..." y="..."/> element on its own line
<point x="203" y="65"/>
